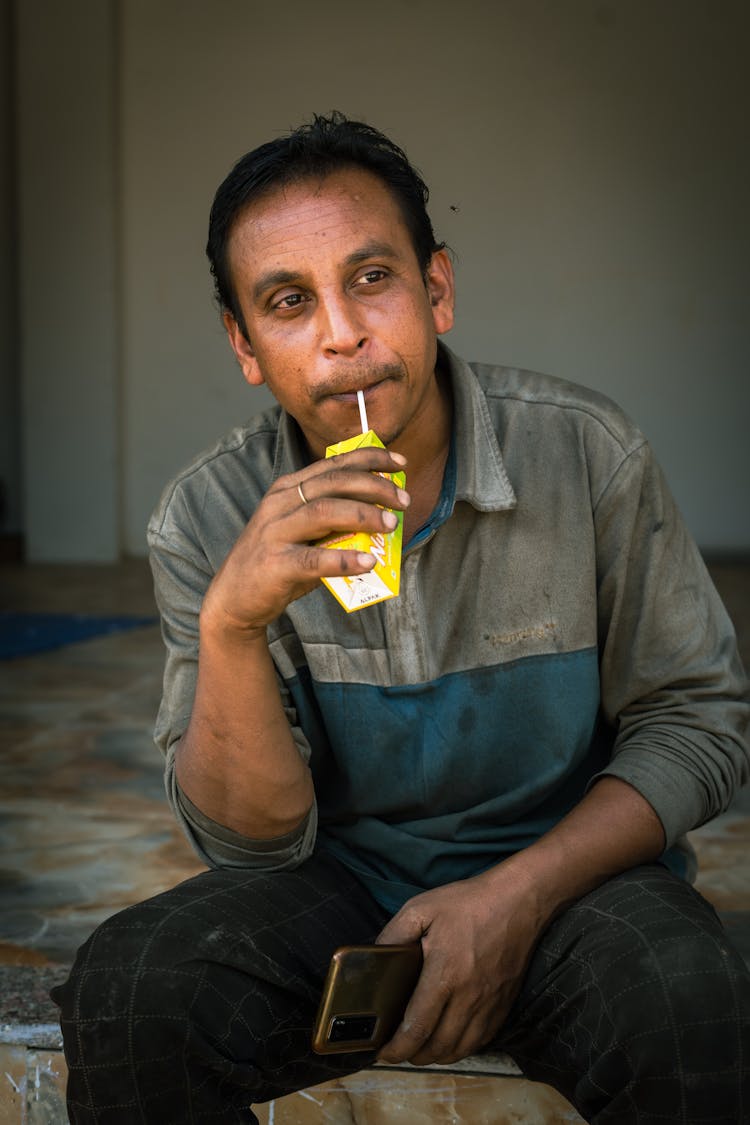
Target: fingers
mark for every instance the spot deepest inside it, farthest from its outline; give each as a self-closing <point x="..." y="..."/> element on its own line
<point x="430" y="997"/>
<point x="350" y="476"/>
<point x="321" y="562"/>
<point x="280" y="545"/>
<point x="406" y="926"/>
<point x="332" y="515"/>
<point x="437" y="1028"/>
<point x="420" y="1019"/>
<point x="340" y="496"/>
<point x="369" y="460"/>
<point x="372" y="458"/>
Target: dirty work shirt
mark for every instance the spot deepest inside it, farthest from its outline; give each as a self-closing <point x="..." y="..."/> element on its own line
<point x="555" y="623"/>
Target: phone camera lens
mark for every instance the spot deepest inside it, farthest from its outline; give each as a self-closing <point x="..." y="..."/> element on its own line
<point x="353" y="1028"/>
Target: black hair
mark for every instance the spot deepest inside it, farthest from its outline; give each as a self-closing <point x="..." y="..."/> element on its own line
<point x="316" y="149"/>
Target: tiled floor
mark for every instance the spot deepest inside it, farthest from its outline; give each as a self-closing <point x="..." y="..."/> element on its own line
<point x="85" y="830"/>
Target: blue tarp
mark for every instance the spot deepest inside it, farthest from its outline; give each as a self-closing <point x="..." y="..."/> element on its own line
<point x="22" y="634"/>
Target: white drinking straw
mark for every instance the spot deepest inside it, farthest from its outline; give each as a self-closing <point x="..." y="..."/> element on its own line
<point x="362" y="411"/>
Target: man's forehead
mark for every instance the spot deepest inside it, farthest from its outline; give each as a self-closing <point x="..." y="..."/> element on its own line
<point x="348" y="203"/>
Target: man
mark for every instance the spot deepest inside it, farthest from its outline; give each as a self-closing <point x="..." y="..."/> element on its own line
<point x="501" y="763"/>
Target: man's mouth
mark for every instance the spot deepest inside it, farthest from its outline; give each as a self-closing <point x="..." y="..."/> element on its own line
<point x="345" y="389"/>
<point x="350" y="395"/>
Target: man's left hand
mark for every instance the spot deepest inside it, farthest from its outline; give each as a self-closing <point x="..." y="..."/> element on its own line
<point x="477" y="938"/>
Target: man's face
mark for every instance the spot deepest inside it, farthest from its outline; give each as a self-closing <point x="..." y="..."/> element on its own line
<point x="334" y="301"/>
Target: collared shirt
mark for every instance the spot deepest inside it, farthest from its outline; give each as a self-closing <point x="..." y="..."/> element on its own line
<point x="555" y="623"/>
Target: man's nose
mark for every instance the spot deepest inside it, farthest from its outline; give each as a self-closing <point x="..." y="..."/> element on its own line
<point x="342" y="332"/>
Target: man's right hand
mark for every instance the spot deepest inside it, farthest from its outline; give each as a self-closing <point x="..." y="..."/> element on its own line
<point x="276" y="559"/>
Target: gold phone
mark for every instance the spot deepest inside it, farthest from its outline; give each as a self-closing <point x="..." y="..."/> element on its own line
<point x="364" y="996"/>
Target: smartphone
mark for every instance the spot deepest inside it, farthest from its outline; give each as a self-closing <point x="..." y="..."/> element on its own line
<point x="364" y="996"/>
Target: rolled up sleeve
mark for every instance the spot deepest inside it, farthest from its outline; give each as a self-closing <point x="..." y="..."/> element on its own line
<point x="182" y="574"/>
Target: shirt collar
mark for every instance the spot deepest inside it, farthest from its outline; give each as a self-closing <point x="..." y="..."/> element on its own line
<point x="481" y="479"/>
<point x="290" y="453"/>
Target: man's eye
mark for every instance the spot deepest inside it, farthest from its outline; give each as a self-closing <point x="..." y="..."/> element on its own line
<point x="289" y="301"/>
<point x="370" y="277"/>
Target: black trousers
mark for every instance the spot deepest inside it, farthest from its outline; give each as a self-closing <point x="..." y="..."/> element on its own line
<point x="197" y="1004"/>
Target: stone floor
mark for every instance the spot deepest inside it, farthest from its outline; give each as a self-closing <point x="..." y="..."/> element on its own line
<point x="84" y="830"/>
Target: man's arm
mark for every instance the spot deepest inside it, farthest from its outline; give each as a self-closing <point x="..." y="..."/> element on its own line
<point x="478" y="935"/>
<point x="673" y="689"/>
<point x="237" y="761"/>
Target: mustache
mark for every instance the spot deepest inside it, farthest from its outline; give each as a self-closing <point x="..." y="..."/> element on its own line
<point x="354" y="378"/>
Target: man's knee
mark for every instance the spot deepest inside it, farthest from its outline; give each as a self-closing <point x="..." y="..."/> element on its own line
<point x="224" y="937"/>
<point x="636" y="1001"/>
<point x="685" y="1013"/>
<point x="164" y="956"/>
<point x="127" y="964"/>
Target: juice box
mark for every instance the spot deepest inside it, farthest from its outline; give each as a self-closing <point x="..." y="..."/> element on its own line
<point x="356" y="591"/>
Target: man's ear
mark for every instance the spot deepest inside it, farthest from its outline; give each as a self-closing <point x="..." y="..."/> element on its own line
<point x="242" y="348"/>
<point x="441" y="290"/>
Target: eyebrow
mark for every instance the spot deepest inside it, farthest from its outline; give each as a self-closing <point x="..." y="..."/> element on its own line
<point x="273" y="278"/>
<point x="371" y="250"/>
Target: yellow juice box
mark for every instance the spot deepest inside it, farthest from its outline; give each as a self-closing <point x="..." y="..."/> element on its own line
<point x="356" y="591"/>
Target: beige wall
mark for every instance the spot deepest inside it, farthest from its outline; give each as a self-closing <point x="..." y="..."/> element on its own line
<point x="10" y="482"/>
<point x="68" y="282"/>
<point x="585" y="164"/>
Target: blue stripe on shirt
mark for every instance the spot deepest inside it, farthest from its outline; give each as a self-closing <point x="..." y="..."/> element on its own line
<point x="421" y="784"/>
